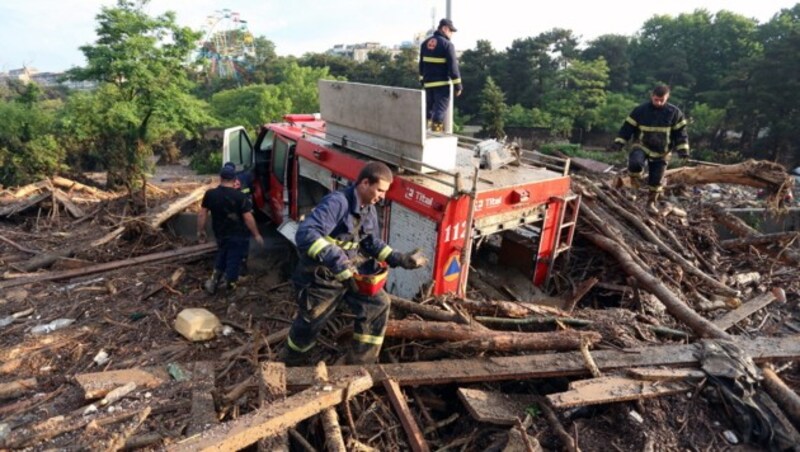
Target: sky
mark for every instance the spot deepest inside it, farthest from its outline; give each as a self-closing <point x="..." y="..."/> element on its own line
<point x="47" y="34"/>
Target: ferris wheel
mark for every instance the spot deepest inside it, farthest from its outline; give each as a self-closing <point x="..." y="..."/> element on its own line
<point x="226" y="44"/>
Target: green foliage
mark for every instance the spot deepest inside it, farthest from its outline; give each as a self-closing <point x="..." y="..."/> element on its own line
<point x="705" y="121"/>
<point x="207" y="160"/>
<point x="533" y="411"/>
<point x="613" y="112"/>
<point x="493" y="109"/>
<point x="28" y="147"/>
<point x="143" y="97"/>
<point x="250" y="106"/>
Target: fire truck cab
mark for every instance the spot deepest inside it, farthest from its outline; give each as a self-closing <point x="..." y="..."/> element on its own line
<point x="440" y="201"/>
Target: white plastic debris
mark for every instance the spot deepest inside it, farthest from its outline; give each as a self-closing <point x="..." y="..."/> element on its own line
<point x="100" y="358"/>
<point x="90" y="409"/>
<point x="730" y="437"/>
<point x="56" y="324"/>
<point x="227" y="330"/>
<point x="636" y="416"/>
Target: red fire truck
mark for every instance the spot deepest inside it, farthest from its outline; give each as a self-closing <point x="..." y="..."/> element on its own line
<point x="440" y="201"/>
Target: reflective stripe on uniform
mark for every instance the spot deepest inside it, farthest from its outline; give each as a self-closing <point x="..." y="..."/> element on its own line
<point x="680" y="125"/>
<point x="317" y="247"/>
<point x="666" y="129"/>
<point x="435" y="84"/>
<point x="385" y="252"/>
<point x="368" y="339"/>
<point x="631" y="121"/>
<point x="341" y="243"/>
<point x="344" y="275"/>
<point x="619" y="140"/>
<point x="434" y="60"/>
<point x="296" y="347"/>
<point x="656" y="188"/>
<point x="682" y="146"/>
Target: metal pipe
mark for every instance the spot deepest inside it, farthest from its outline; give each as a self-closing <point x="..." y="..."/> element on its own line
<point x="466" y="256"/>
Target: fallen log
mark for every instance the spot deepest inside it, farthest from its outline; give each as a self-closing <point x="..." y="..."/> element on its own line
<point x="62" y="198"/>
<point x="488" y="340"/>
<point x="754" y="173"/>
<point x="742" y="229"/>
<point x="168" y="211"/>
<point x="675" y="306"/>
<point x="19" y="206"/>
<point x="203" y="414"/>
<point x="108" y="266"/>
<point x="334" y="442"/>
<point x="527" y="367"/>
<point x="653" y="238"/>
<point x="70" y="185"/>
<point x="46" y="258"/>
<point x="760" y="239"/>
<point x="273" y="419"/>
<point x="272" y="388"/>
<point x="783" y="395"/>
<point x="16" y="388"/>
<point x="514" y="309"/>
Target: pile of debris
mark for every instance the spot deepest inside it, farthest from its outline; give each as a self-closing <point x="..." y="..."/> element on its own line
<point x="651" y="325"/>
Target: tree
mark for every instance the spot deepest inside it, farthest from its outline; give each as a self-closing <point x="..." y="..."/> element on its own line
<point x="615" y="50"/>
<point x="476" y="65"/>
<point x="250" y="106"/>
<point x="144" y="86"/>
<point x="493" y="109"/>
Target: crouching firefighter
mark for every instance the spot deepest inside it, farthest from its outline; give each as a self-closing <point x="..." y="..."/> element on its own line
<point x="333" y="240"/>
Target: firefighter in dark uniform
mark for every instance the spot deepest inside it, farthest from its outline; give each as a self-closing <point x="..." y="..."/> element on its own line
<point x="438" y="69"/>
<point x="656" y="128"/>
<point x="341" y="231"/>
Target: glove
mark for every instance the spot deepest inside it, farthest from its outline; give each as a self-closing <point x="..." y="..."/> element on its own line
<point x="614" y="147"/>
<point x="412" y="260"/>
<point x="683" y="153"/>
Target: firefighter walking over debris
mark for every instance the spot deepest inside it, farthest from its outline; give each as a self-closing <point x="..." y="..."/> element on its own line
<point x="657" y="128"/>
<point x="339" y="241"/>
<point x="232" y="221"/>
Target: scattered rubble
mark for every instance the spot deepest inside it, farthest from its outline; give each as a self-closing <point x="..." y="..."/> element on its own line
<point x="615" y="356"/>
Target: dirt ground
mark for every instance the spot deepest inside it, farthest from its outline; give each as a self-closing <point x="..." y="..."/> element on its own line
<point x="128" y="314"/>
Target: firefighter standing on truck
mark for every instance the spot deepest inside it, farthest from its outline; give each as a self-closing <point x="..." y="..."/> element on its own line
<point x="657" y="128"/>
<point x="341" y="231"/>
<point x="438" y="69"/>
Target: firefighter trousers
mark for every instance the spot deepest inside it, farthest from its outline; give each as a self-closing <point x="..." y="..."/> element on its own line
<point x="318" y="296"/>
<point x="437" y="101"/>
<point x="656" y="167"/>
<point x="231" y="251"/>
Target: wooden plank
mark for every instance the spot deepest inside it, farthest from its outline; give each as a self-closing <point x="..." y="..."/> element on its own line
<point x="17" y="388"/>
<point x="666" y="374"/>
<point x="271" y="389"/>
<point x="415" y="437"/>
<point x="203" y="413"/>
<point x="98" y="384"/>
<point x="275" y="418"/>
<point x="614" y="389"/>
<point x="148" y="258"/>
<point x="547" y="365"/>
<point x="746" y="309"/>
<point x="496" y="407"/>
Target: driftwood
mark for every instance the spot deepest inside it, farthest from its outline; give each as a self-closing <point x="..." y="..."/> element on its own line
<point x="70" y="185"/>
<point x="783" y="395"/>
<point x="334" y="441"/>
<point x="614" y="389"/>
<point x="19" y="206"/>
<point x="196" y="250"/>
<point x="653" y="238"/>
<point x="742" y="229"/>
<point x="168" y="211"/>
<point x="514" y="309"/>
<point x="754" y="173"/>
<point x="415" y="437"/>
<point x="526" y="367"/>
<point x="274" y="418"/>
<point x="731" y="318"/>
<point x="271" y="388"/>
<point x="488" y="340"/>
<point x="760" y="239"/>
<point x="675" y="306"/>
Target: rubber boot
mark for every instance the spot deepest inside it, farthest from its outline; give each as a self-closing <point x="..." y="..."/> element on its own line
<point x="636" y="183"/>
<point x="437" y="127"/>
<point x="652" y="202"/>
<point x="212" y="282"/>
<point x="292" y="358"/>
<point x="362" y="355"/>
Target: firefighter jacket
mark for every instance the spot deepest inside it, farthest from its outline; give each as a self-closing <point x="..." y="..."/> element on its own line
<point x="337" y="230"/>
<point x="657" y="131"/>
<point x="438" y="64"/>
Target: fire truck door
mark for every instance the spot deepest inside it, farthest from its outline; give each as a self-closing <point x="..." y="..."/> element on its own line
<point x="236" y="148"/>
<point x="279" y="193"/>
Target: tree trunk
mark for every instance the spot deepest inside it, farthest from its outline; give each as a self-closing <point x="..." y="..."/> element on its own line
<point x="488" y="340"/>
